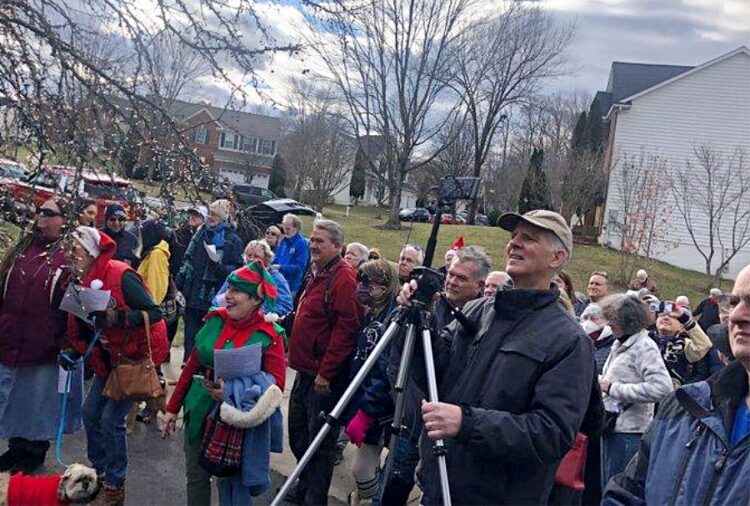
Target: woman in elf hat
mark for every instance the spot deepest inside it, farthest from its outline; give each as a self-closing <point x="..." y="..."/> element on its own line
<point x="240" y="323"/>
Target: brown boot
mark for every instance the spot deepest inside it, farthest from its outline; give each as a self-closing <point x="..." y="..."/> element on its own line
<point x="111" y="496"/>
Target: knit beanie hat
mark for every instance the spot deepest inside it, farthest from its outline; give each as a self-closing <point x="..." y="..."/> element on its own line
<point x="249" y="277"/>
<point x="114" y="210"/>
<point x="89" y="238"/>
<point x="220" y="208"/>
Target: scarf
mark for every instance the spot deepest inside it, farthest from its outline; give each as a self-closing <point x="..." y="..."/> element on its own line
<point x="216" y="235"/>
<point x="220" y="332"/>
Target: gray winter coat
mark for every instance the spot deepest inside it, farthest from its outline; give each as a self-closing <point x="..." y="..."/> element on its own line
<point x="639" y="380"/>
<point x="524" y="380"/>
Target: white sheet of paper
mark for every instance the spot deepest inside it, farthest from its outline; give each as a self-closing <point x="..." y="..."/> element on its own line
<point x="82" y="301"/>
<point x="212" y="253"/>
<point x="237" y="362"/>
<point x="62" y="377"/>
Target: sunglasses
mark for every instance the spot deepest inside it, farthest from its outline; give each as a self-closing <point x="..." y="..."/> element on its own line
<point x="48" y="213"/>
<point x="274" y="234"/>
<point x="600" y="273"/>
<point x="117" y="218"/>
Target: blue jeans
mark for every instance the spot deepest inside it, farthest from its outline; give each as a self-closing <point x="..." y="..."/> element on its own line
<point x="617" y="450"/>
<point x="233" y="493"/>
<point x="105" y="422"/>
<point x="395" y="488"/>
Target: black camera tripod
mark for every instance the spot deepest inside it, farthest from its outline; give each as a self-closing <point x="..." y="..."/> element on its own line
<point x="414" y="317"/>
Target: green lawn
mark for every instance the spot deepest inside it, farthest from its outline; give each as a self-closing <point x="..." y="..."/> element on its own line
<point x="363" y="226"/>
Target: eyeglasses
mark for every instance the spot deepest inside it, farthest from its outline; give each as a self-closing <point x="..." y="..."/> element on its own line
<point x="117" y="218"/>
<point x="274" y="234"/>
<point x="600" y="273"/>
<point x="48" y="213"/>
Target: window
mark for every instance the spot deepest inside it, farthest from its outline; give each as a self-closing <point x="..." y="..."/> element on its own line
<point x="267" y="147"/>
<point x="250" y="145"/>
<point x="228" y="140"/>
<point x="200" y="135"/>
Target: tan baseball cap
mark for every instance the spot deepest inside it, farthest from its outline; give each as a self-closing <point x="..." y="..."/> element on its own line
<point x="548" y="220"/>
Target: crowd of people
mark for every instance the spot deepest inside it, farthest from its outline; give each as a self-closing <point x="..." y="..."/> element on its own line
<point x="656" y="391"/>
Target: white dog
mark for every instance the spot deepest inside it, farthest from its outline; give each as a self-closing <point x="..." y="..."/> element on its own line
<point x="77" y="485"/>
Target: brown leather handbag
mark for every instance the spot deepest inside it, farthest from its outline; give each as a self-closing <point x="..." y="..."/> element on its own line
<point x="135" y="380"/>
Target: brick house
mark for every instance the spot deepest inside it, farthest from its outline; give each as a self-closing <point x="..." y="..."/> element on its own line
<point x="239" y="146"/>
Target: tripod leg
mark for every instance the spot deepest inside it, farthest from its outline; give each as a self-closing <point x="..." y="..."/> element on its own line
<point x="400" y="386"/>
<point x="432" y="392"/>
<point x="332" y="418"/>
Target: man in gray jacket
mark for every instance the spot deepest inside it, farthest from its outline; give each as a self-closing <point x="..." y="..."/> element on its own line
<point x="513" y="394"/>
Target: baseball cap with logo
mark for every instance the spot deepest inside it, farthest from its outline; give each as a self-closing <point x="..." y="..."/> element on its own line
<point x="547" y="220"/>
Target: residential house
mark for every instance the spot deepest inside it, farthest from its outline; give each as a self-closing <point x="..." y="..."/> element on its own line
<point x="663" y="113"/>
<point x="369" y="158"/>
<point x="238" y="146"/>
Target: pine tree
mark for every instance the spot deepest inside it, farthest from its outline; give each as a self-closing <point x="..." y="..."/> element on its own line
<point x="578" y="141"/>
<point x="357" y="184"/>
<point x="277" y="181"/>
<point x="594" y="129"/>
<point x="535" y="191"/>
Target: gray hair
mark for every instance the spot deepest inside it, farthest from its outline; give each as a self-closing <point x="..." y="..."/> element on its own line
<point x="480" y="259"/>
<point x="294" y="219"/>
<point x="267" y="251"/>
<point x="333" y="228"/>
<point x="359" y="248"/>
<point x="557" y="245"/>
<point x="417" y="249"/>
<point x="627" y="312"/>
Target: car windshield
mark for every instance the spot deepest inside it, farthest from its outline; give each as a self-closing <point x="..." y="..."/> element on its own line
<point x="108" y="191"/>
<point x="11" y="170"/>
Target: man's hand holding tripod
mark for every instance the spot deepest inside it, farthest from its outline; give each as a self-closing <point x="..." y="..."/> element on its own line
<point x="441" y="419"/>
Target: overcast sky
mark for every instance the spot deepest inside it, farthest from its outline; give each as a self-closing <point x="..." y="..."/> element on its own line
<point x="678" y="32"/>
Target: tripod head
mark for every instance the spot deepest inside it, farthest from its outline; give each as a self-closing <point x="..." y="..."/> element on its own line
<point x="429" y="282"/>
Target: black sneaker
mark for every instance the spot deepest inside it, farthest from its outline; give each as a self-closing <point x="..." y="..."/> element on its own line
<point x="27" y="464"/>
<point x="8" y="460"/>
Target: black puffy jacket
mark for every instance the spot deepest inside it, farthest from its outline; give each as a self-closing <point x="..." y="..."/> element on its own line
<point x="525" y="378"/>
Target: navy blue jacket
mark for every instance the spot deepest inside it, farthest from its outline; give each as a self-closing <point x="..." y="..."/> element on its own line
<point x="126" y="245"/>
<point x="685" y="456"/>
<point x="199" y="278"/>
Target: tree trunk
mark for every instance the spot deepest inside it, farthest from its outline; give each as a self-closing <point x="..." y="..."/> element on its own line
<point x="394" y="203"/>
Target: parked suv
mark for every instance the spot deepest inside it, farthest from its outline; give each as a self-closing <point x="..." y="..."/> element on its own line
<point x="419" y="214"/>
<point x="29" y="193"/>
<point x="249" y="195"/>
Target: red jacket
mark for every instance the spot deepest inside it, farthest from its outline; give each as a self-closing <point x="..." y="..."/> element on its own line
<point x="130" y="342"/>
<point x="324" y="334"/>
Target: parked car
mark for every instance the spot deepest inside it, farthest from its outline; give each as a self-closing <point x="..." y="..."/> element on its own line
<point x="418" y="214"/>
<point x="12" y="170"/>
<point x="448" y="219"/>
<point x="249" y="195"/>
<point x="271" y="212"/>
<point x="29" y="193"/>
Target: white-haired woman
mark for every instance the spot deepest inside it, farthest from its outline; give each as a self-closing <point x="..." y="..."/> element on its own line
<point x="356" y="254"/>
<point x="633" y="379"/>
<point x="260" y="251"/>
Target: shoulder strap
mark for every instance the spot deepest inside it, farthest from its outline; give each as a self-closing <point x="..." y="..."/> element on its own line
<point x="147" y="324"/>
<point x="327" y="293"/>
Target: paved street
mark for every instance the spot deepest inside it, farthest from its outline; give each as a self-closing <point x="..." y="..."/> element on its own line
<point x="156" y="472"/>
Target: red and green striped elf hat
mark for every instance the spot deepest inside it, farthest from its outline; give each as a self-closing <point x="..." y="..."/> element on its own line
<point x="249" y="277"/>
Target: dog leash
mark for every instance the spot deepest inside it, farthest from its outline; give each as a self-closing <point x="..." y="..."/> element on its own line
<point x="64" y="404"/>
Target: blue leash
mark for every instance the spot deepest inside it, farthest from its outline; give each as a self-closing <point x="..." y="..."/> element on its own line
<point x="64" y="405"/>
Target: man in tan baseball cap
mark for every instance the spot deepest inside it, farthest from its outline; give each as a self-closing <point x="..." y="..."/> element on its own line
<point x="541" y="243"/>
<point x="492" y="399"/>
